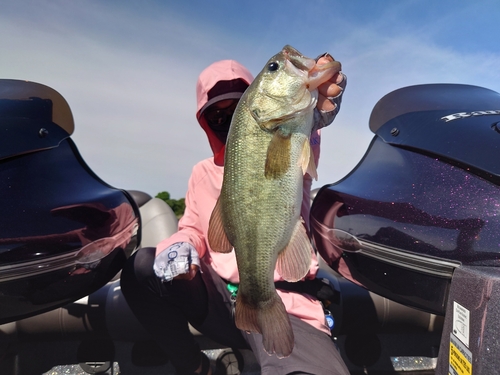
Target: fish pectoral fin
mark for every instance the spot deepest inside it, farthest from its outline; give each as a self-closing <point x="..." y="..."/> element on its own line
<point x="217" y="238"/>
<point x="278" y="155"/>
<point x="307" y="160"/>
<point x="271" y="320"/>
<point x="294" y="260"/>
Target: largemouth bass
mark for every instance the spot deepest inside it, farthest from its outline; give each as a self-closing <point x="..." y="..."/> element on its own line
<point x="258" y="211"/>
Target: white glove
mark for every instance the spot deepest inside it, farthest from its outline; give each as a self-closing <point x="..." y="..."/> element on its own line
<point x="175" y="260"/>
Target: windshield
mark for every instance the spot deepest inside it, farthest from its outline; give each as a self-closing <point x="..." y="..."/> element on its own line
<point x="457" y="123"/>
<point x="449" y="98"/>
<point x="32" y="117"/>
<point x="25" y="91"/>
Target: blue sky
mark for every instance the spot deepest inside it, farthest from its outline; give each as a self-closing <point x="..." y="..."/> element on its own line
<point x="128" y="69"/>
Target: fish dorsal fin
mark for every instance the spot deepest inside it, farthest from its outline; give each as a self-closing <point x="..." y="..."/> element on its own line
<point x="278" y="155"/>
<point x="307" y="160"/>
<point x="294" y="260"/>
<point x="217" y="238"/>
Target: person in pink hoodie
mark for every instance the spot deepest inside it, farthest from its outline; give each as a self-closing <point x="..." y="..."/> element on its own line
<point x="183" y="281"/>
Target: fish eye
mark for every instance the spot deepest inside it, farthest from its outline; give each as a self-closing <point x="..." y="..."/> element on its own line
<point x="272" y="66"/>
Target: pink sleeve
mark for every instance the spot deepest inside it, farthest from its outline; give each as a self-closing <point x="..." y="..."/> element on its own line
<point x="190" y="228"/>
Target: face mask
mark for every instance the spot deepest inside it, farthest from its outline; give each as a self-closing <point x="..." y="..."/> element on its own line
<point x="219" y="119"/>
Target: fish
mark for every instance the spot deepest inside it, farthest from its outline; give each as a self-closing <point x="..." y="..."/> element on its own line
<point x="258" y="211"/>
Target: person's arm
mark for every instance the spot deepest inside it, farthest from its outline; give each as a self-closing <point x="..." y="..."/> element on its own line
<point x="329" y="99"/>
<point x="178" y="257"/>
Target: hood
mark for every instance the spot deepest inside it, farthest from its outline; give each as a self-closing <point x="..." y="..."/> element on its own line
<point x="225" y="70"/>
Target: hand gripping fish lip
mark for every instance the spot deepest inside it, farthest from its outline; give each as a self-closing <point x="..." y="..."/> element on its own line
<point x="322" y="73"/>
<point x="308" y="68"/>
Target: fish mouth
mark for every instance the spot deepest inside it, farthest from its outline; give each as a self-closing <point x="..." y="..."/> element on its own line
<point x="310" y="75"/>
<point x="298" y="60"/>
<point x="313" y="74"/>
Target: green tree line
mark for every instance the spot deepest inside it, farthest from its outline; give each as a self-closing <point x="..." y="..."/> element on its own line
<point x="177" y="205"/>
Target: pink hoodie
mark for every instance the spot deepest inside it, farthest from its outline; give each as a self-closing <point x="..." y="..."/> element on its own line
<point x="204" y="189"/>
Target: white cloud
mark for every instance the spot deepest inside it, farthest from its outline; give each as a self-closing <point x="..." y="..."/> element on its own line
<point x="129" y="76"/>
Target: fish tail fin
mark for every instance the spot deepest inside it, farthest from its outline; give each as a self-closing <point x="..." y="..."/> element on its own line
<point x="269" y="319"/>
<point x="294" y="260"/>
<point x="217" y="238"/>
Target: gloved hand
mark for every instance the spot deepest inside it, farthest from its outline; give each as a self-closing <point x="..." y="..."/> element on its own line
<point x="330" y="95"/>
<point x="176" y="260"/>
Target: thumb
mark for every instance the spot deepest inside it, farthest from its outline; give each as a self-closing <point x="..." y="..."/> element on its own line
<point x="193" y="270"/>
